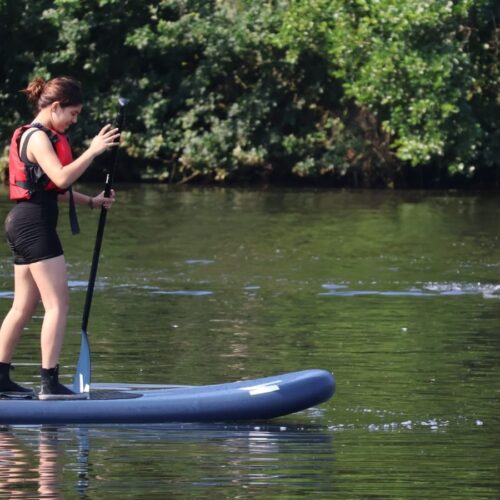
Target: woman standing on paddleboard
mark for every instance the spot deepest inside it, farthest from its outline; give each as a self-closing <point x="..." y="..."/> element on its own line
<point x="41" y="171"/>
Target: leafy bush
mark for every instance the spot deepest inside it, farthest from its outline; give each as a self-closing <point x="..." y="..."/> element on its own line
<point x="325" y="90"/>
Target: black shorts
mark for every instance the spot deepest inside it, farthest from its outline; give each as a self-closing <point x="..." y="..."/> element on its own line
<point x="31" y="229"/>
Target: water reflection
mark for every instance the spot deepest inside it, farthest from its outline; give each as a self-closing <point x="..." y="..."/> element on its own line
<point x="13" y="464"/>
<point x="32" y="466"/>
<point x="52" y="462"/>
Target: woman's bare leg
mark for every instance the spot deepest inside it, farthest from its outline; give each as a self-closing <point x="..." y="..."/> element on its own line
<point x="26" y="298"/>
<point x="51" y="279"/>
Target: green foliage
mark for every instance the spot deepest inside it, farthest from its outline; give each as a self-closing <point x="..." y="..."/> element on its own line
<point x="232" y="90"/>
<point x="428" y="69"/>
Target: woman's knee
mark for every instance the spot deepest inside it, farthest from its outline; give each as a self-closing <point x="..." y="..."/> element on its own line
<point x="58" y="303"/>
<point x="23" y="312"/>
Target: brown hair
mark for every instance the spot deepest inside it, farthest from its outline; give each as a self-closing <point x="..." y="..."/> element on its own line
<point x="64" y="89"/>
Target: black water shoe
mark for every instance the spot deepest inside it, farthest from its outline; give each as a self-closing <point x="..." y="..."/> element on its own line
<point x="8" y="388"/>
<point x="52" y="389"/>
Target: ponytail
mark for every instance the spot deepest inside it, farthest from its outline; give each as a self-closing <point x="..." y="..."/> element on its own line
<point x="34" y="90"/>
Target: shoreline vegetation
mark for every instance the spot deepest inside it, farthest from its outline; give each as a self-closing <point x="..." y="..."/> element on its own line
<point x="327" y="93"/>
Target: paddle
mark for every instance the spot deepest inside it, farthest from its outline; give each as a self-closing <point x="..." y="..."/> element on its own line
<point x="81" y="381"/>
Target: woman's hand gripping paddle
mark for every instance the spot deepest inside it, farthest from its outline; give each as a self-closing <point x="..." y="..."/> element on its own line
<point x="81" y="381"/>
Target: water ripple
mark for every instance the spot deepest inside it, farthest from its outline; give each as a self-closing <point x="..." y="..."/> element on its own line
<point x="429" y="289"/>
<point x="194" y="293"/>
<point x="432" y="424"/>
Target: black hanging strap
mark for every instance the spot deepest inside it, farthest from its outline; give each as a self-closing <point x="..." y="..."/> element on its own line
<point x="73" y="219"/>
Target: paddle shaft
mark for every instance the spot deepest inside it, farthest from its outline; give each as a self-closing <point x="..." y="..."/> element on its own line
<point x="102" y="222"/>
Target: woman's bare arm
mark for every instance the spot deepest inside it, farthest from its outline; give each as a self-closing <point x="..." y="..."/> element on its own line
<point x="41" y="151"/>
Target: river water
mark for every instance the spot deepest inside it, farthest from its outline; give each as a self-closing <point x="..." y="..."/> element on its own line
<point x="396" y="293"/>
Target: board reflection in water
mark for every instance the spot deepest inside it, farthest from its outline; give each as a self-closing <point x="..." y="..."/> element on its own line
<point x="54" y="462"/>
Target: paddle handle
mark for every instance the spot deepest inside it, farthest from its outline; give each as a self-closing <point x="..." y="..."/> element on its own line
<point x="120" y="119"/>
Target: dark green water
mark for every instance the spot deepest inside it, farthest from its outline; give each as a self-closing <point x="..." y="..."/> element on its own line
<point x="398" y="294"/>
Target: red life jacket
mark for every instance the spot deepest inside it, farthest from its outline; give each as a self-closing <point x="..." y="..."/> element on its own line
<point x="26" y="177"/>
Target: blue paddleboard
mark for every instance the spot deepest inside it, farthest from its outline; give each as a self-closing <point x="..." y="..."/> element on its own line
<point x="262" y="398"/>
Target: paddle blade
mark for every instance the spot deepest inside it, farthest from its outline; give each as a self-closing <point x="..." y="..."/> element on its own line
<point x="81" y="381"/>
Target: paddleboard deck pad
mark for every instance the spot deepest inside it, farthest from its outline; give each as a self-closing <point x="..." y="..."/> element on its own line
<point x="256" y="399"/>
